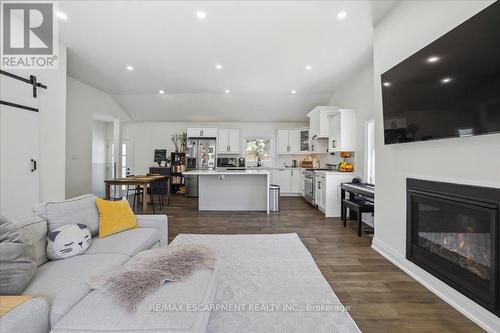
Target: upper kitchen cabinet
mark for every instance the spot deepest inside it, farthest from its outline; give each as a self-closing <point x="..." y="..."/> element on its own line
<point x="304" y="140"/>
<point x="229" y="141"/>
<point x="202" y="132"/>
<point x="293" y="141"/>
<point x="318" y="121"/>
<point x="342" y="131"/>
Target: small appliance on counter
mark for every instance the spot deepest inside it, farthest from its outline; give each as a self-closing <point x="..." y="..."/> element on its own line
<point x="241" y="162"/>
<point x="226" y="162"/>
<point x="294" y="163"/>
<point x="331" y="167"/>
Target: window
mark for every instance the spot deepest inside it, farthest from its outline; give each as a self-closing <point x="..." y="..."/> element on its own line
<point x="256" y="148"/>
<point x="370" y="152"/>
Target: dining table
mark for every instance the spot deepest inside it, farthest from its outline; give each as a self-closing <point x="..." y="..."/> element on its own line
<point x="140" y="180"/>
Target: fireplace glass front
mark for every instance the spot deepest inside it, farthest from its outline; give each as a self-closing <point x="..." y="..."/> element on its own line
<point x="452" y="233"/>
<point x="457" y="233"/>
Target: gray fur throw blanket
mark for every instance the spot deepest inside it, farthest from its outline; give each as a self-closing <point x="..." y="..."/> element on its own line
<point x="147" y="271"/>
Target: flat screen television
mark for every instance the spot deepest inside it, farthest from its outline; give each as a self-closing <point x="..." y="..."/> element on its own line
<point x="450" y="88"/>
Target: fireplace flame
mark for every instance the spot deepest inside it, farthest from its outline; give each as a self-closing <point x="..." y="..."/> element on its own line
<point x="460" y="244"/>
<point x="462" y="240"/>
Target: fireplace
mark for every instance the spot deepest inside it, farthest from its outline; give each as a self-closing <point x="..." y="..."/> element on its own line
<point x="453" y="233"/>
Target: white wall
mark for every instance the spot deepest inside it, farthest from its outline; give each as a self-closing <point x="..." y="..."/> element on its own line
<point x="147" y="136"/>
<point x="357" y="92"/>
<point x="99" y="144"/>
<point x="83" y="103"/>
<point x="53" y="131"/>
<point x="408" y="28"/>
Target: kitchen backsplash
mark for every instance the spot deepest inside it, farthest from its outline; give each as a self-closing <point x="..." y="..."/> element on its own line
<point x="281" y="160"/>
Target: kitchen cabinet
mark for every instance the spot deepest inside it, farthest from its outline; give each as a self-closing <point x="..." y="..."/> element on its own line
<point x="198" y="132"/>
<point x="295" y="180"/>
<point x="282" y="142"/>
<point x="304" y="140"/>
<point x="318" y="121"/>
<point x="282" y="178"/>
<point x="302" y="185"/>
<point x="342" y="131"/>
<point x="229" y="141"/>
<point x="327" y="194"/>
<point x="288" y="179"/>
<point x="293" y="141"/>
<point x="320" y="190"/>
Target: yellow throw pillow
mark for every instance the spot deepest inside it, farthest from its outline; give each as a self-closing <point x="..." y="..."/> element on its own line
<point x="114" y="217"/>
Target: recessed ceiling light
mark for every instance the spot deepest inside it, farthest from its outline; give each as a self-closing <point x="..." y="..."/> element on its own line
<point x="446" y="80"/>
<point x="432" y="59"/>
<point x="161" y="92"/>
<point x="62" y="16"/>
<point x="293" y="92"/>
<point x="218" y="67"/>
<point x="227" y="91"/>
<point x="309" y="67"/>
<point x="201" y="15"/>
<point x="341" y="15"/>
<point x="130" y="68"/>
<point x="387" y="84"/>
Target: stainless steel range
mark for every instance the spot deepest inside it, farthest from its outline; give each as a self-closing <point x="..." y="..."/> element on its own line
<point x="308" y="194"/>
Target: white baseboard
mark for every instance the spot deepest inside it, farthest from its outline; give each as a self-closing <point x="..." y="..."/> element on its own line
<point x="485" y="319"/>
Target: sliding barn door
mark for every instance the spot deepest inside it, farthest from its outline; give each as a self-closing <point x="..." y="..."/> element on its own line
<point x="19" y="150"/>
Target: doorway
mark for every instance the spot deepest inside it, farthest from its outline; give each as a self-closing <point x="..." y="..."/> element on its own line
<point x="126" y="164"/>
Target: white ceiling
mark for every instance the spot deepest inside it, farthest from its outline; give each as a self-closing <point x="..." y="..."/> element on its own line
<point x="263" y="46"/>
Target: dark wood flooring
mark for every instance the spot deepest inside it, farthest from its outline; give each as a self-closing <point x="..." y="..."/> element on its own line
<point x="382" y="298"/>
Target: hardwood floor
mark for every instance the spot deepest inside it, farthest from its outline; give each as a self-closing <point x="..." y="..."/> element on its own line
<point x="382" y="298"/>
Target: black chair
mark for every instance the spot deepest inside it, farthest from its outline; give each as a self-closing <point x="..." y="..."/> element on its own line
<point x="136" y="192"/>
<point x="358" y="205"/>
<point x="158" y="189"/>
<point x="138" y="195"/>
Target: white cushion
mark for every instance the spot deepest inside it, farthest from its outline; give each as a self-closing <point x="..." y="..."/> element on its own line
<point x="129" y="242"/>
<point x="109" y="316"/>
<point x="68" y="241"/>
<point x="77" y="210"/>
<point x="63" y="282"/>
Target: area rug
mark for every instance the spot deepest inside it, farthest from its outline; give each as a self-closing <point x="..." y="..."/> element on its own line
<point x="270" y="283"/>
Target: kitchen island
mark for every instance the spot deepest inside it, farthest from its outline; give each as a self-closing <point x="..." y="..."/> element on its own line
<point x="236" y="190"/>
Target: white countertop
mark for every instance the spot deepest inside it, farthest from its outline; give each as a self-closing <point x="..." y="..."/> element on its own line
<point x="326" y="172"/>
<point x="226" y="172"/>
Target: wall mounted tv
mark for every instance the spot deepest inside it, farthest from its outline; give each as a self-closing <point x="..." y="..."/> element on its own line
<point x="450" y="88"/>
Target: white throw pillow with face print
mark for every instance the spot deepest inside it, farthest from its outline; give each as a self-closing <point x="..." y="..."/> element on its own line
<point x="68" y="241"/>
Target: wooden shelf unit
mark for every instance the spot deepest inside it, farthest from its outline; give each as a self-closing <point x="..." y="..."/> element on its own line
<point x="178" y="161"/>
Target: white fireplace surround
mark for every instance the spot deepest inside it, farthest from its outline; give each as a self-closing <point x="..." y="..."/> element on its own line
<point x="485" y="319"/>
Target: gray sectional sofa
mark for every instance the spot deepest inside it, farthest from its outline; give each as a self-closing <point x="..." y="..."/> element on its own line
<point x="59" y="286"/>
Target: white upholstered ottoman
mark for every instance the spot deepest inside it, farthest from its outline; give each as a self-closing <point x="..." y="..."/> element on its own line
<point x="159" y="312"/>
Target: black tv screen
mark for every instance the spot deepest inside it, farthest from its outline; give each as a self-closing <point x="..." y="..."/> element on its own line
<point x="450" y="88"/>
